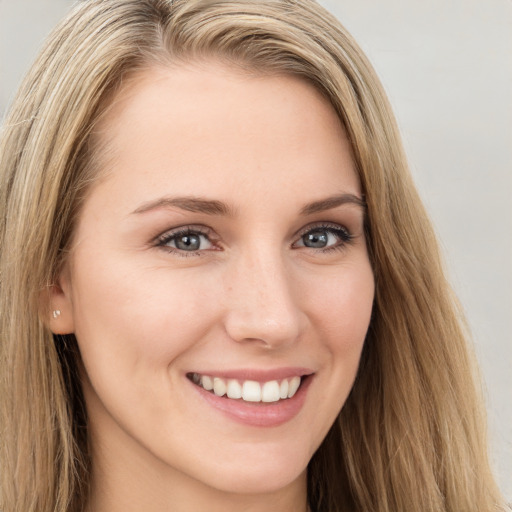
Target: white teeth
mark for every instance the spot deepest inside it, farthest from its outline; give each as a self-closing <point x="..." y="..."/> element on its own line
<point x="283" y="389"/>
<point x="234" y="389"/>
<point x="270" y="391"/>
<point x="249" y="390"/>
<point x="207" y="382"/>
<point x="219" y="386"/>
<point x="294" y="386"/>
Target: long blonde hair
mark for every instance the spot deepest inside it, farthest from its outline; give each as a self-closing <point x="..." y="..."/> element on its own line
<point x="411" y="435"/>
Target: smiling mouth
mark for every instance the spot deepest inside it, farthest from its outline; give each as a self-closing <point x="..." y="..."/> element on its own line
<point x="248" y="390"/>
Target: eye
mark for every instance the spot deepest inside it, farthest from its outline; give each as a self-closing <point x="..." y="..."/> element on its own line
<point x="324" y="237"/>
<point x="185" y="240"/>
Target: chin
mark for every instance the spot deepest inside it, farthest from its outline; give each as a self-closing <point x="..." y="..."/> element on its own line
<point x="265" y="481"/>
<point x="264" y="474"/>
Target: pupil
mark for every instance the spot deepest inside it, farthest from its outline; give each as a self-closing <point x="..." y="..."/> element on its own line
<point x="316" y="239"/>
<point x="188" y="242"/>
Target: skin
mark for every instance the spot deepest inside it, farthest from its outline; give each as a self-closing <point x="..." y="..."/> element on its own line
<point x="254" y="296"/>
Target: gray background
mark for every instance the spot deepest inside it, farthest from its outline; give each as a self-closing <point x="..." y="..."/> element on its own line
<point x="446" y="65"/>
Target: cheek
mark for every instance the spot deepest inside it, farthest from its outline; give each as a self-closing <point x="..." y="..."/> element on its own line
<point x="339" y="306"/>
<point x="134" y="324"/>
<point x="341" y="315"/>
<point x="342" y="305"/>
<point x="131" y="319"/>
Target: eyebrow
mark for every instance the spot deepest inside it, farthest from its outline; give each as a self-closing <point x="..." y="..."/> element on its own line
<point x="190" y="204"/>
<point x="333" y="202"/>
<point x="214" y="207"/>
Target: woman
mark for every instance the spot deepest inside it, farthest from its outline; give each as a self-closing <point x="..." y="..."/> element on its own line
<point x="219" y="288"/>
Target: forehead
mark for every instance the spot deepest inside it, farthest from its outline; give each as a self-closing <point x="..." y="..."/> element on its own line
<point x="204" y="124"/>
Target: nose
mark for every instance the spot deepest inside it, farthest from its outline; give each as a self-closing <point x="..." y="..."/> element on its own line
<point x="262" y="303"/>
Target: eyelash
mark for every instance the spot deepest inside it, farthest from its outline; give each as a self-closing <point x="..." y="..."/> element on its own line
<point x="342" y="233"/>
<point x="169" y="236"/>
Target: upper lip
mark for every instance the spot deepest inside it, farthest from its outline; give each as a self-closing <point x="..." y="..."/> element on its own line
<point x="258" y="375"/>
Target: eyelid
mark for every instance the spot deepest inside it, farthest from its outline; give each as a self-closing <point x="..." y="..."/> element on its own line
<point x="187" y="228"/>
<point x="164" y="238"/>
<point x="345" y="239"/>
<point x="322" y="225"/>
<point x="344" y="234"/>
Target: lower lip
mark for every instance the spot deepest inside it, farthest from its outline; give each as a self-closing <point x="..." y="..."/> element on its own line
<point x="258" y="414"/>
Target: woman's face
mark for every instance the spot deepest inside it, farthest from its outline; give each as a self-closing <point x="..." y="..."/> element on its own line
<point x="223" y="245"/>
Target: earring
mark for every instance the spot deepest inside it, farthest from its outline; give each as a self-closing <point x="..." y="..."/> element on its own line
<point x="56" y="313"/>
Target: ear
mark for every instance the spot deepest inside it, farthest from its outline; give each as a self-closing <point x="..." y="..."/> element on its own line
<point x="59" y="312"/>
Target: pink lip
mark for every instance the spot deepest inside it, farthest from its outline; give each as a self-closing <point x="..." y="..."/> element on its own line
<point x="258" y="414"/>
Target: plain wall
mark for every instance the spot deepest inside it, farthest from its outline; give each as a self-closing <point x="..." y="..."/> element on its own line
<point x="446" y="65"/>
